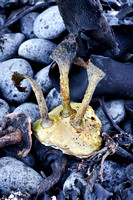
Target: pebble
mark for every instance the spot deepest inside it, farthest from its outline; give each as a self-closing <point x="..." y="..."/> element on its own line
<point x="37" y="50"/>
<point x="116" y="110"/>
<point x="49" y="24"/>
<point x="30" y="109"/>
<point x="113" y="175"/>
<point x="53" y="99"/>
<point x="4" y="109"/>
<point x="43" y="80"/>
<point x="70" y="183"/>
<point x="26" y="24"/>
<point x="8" y="90"/>
<point x="9" y="44"/>
<point x="15" y="175"/>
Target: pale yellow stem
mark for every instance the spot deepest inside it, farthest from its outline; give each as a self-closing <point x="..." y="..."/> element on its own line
<point x="63" y="55"/>
<point x="94" y="76"/>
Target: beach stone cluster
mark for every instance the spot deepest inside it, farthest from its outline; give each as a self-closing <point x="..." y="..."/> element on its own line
<point x="26" y="49"/>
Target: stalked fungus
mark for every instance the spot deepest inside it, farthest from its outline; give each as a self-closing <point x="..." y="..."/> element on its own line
<point x="15" y="134"/>
<point x="71" y="127"/>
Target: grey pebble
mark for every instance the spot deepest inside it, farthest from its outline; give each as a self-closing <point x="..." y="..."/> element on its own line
<point x="70" y="183"/>
<point x="15" y="175"/>
<point x="26" y="24"/>
<point x="49" y="24"/>
<point x="30" y="109"/>
<point x="4" y="109"/>
<point x="9" y="44"/>
<point x="9" y="91"/>
<point x="43" y="80"/>
<point x="37" y="50"/>
<point x="113" y="175"/>
<point x="116" y="110"/>
<point x="53" y="99"/>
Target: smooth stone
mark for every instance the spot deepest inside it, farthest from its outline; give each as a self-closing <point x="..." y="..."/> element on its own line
<point x="26" y="24"/>
<point x="53" y="99"/>
<point x="9" y="44"/>
<point x="116" y="110"/>
<point x="4" y="109"/>
<point x="113" y="175"/>
<point x="9" y="91"/>
<point x="49" y="24"/>
<point x="43" y="80"/>
<point x="15" y="175"/>
<point x="30" y="109"/>
<point x="37" y="50"/>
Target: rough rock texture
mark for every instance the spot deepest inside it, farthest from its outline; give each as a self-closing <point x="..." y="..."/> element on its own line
<point x="4" y="109"/>
<point x="26" y="24"/>
<point x="9" y="44"/>
<point x="116" y="110"/>
<point x="30" y="109"/>
<point x="15" y="175"/>
<point x="37" y="50"/>
<point x="43" y="80"/>
<point x="49" y="24"/>
<point x="9" y="91"/>
<point x="53" y="99"/>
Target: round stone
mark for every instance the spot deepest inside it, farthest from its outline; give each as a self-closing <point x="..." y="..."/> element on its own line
<point x="43" y="80"/>
<point x="26" y="24"/>
<point x="9" y="44"/>
<point x="9" y="91"/>
<point x="16" y="176"/>
<point x="49" y="24"/>
<point x="30" y="109"/>
<point x="37" y="50"/>
<point x="4" y="109"/>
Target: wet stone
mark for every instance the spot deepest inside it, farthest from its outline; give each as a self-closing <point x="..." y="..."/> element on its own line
<point x="49" y="24"/>
<point x="37" y="50"/>
<point x="30" y="109"/>
<point x="26" y="24"/>
<point x="8" y="90"/>
<point x="116" y="110"/>
<point x="15" y="175"/>
<point x="53" y="99"/>
<point x="4" y="109"/>
<point x="9" y="44"/>
<point x="43" y="80"/>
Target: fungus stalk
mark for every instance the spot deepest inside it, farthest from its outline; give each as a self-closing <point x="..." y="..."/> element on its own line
<point x="14" y="137"/>
<point x="63" y="55"/>
<point x="95" y="75"/>
<point x="17" y="78"/>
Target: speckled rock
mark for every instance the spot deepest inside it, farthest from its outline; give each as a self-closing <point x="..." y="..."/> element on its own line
<point x="53" y="99"/>
<point x="113" y="175"/>
<point x="9" y="91"/>
<point x="116" y="110"/>
<point x="30" y="109"/>
<point x="15" y="175"/>
<point x="9" y="44"/>
<point x="4" y="109"/>
<point x="43" y="80"/>
<point x="26" y="24"/>
<point x="49" y="24"/>
<point x="37" y="50"/>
